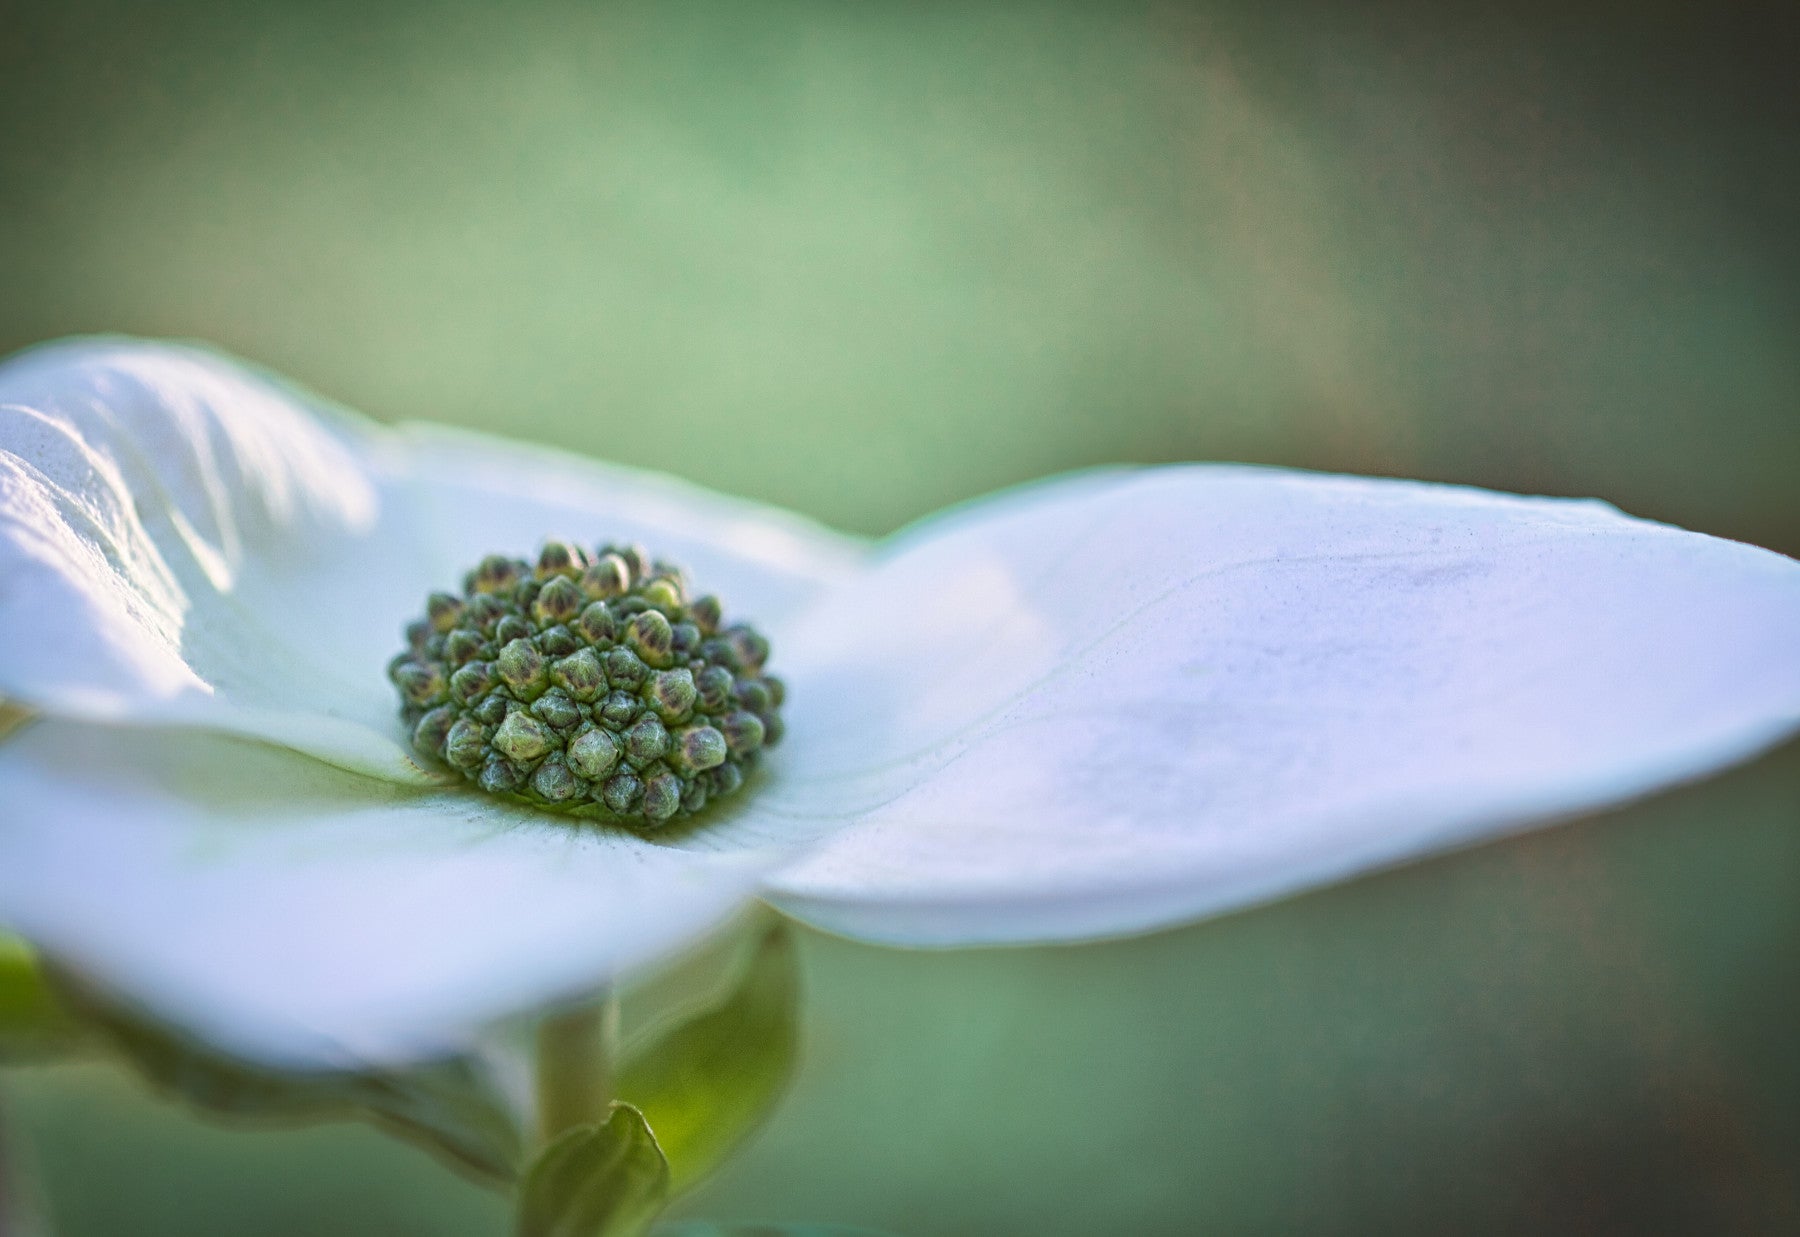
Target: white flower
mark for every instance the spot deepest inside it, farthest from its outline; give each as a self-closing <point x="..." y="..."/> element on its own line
<point x="1097" y="705"/>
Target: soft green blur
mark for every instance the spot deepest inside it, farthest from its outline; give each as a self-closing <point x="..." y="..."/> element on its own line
<point x="864" y="260"/>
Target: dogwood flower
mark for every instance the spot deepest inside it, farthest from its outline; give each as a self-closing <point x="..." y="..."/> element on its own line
<point x="1097" y="705"/>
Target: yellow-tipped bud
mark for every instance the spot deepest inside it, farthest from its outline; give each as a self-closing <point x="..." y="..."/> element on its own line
<point x="559" y="558"/>
<point x="671" y="693"/>
<point x="650" y="637"/>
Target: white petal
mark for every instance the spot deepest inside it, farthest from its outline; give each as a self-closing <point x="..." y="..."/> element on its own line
<point x="178" y="540"/>
<point x="310" y="918"/>
<point x="184" y="540"/>
<point x="1117" y="701"/>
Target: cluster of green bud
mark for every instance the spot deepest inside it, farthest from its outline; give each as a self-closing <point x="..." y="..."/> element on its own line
<point x="590" y="684"/>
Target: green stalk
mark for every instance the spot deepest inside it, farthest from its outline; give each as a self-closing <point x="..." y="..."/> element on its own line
<point x="576" y="1051"/>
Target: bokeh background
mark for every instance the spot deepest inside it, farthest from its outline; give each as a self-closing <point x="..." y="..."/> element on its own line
<point x="864" y="260"/>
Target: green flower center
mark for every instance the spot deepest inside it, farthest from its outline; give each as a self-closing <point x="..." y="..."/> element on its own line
<point x="588" y="684"/>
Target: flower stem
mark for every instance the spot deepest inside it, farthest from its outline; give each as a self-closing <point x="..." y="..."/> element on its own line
<point x="576" y="1048"/>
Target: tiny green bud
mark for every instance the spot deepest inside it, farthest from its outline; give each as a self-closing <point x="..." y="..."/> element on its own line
<point x="697" y="748"/>
<point x="607" y="576"/>
<point x="625" y="668"/>
<point x="559" y="558"/>
<point x="684" y="641"/>
<point x="463" y="645"/>
<point x="596" y="623"/>
<point x="511" y="627"/>
<point x="557" y="709"/>
<point x="620" y="793"/>
<point x="443" y="611"/>
<point x="693" y="798"/>
<point x="715" y="685"/>
<point x="621" y="708"/>
<point x="522" y="667"/>
<point x="559" y="641"/>
<point x="466" y="744"/>
<point x="773" y="729"/>
<point x="637" y="558"/>
<point x="522" y="738"/>
<point x="498" y="777"/>
<point x="494" y="575"/>
<point x="492" y="709"/>
<point x="593" y="753"/>
<point x="645" y="741"/>
<point x="664" y="594"/>
<point x="777" y="690"/>
<point x="553" y="782"/>
<point x="421" y="683"/>
<point x="472" y="681"/>
<point x="726" y="779"/>
<point x="650" y="637"/>
<point x="751" y="649"/>
<point x="579" y="674"/>
<point x="743" y="732"/>
<point x="558" y="601"/>
<point x="754" y="695"/>
<point x="662" y="796"/>
<point x="707" y="613"/>
<point x="483" y="611"/>
<point x="433" y="729"/>
<point x="671" y="693"/>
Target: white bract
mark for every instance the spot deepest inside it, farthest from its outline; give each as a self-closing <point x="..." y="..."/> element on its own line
<point x="1097" y="705"/>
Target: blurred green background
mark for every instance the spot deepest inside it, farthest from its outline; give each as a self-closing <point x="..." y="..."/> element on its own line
<point x="863" y="260"/>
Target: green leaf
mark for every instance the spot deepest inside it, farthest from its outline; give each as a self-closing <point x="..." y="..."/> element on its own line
<point x="448" y="1107"/>
<point x="33" y="1022"/>
<point x="607" y="1180"/>
<point x="216" y="1084"/>
<point x="705" y="1085"/>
